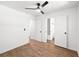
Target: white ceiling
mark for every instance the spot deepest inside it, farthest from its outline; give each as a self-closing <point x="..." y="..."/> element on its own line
<point x="52" y="5"/>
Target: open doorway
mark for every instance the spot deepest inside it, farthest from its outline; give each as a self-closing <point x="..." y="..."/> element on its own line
<point x="50" y="29"/>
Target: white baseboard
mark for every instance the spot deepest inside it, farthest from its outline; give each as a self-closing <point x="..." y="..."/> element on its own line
<point x="36" y="39"/>
<point x="78" y="53"/>
<point x="20" y="44"/>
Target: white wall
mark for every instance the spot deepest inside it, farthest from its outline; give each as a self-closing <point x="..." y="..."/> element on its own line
<point x="72" y="16"/>
<point x="12" y="24"/>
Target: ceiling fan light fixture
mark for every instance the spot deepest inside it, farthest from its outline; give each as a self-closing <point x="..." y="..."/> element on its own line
<point x="38" y="10"/>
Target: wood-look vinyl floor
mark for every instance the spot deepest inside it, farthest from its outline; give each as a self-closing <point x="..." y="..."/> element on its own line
<point x="40" y="49"/>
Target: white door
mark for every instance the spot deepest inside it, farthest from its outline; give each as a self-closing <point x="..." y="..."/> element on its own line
<point x="41" y="30"/>
<point x="61" y="31"/>
<point x="38" y="30"/>
<point x="44" y="30"/>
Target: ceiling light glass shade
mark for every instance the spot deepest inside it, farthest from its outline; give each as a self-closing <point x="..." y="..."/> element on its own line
<point x="38" y="10"/>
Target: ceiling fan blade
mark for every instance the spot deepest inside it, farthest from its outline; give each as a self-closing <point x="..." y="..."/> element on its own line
<point x="42" y="12"/>
<point x="45" y="3"/>
<point x="31" y="8"/>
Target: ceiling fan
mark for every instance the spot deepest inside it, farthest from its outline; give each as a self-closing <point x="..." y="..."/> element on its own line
<point x="39" y="6"/>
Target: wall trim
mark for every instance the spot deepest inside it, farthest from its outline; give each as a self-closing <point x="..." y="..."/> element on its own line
<point x="21" y="44"/>
<point x="36" y="39"/>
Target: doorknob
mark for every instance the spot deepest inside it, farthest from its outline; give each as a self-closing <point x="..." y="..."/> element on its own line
<point x="65" y="32"/>
<point x="40" y="31"/>
<point x="24" y="29"/>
